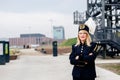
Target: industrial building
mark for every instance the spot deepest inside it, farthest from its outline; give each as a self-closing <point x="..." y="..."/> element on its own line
<point x="30" y="39"/>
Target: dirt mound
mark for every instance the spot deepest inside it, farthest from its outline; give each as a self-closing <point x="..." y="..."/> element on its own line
<point x="49" y="50"/>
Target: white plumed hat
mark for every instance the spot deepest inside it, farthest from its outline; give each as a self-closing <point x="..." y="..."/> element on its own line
<point x="91" y="25"/>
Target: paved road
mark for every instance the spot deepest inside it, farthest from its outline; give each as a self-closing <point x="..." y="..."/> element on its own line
<point x="30" y="52"/>
<point x="40" y="67"/>
<point x="37" y="68"/>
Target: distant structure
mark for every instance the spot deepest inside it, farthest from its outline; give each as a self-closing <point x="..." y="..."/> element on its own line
<point x="58" y="33"/>
<point x="30" y="40"/>
<point x="31" y="35"/>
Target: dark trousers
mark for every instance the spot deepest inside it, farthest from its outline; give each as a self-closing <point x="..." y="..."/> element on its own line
<point x="75" y="78"/>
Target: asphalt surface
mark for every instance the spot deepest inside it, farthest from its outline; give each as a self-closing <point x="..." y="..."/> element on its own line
<point x="37" y="68"/>
<point x="41" y="67"/>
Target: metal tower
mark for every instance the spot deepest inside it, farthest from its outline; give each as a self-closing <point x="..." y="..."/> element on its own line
<point x="107" y="15"/>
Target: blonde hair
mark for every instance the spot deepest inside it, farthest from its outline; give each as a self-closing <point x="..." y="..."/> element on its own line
<point x="87" y="42"/>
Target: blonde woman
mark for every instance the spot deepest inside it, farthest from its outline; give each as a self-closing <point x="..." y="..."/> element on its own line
<point x="83" y="56"/>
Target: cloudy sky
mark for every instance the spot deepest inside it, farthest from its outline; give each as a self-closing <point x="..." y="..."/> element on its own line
<point x="38" y="16"/>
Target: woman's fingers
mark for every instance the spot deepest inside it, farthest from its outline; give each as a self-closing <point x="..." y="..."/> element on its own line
<point x="77" y="57"/>
<point x="90" y="54"/>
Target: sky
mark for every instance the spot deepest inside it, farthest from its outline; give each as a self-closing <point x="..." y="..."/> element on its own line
<point x="38" y="16"/>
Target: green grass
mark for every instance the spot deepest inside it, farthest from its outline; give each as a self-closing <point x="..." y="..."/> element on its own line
<point x="118" y="34"/>
<point x="14" y="51"/>
<point x="69" y="42"/>
<point x="114" y="67"/>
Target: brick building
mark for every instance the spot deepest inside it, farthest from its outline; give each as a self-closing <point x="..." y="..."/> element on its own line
<point x="30" y="39"/>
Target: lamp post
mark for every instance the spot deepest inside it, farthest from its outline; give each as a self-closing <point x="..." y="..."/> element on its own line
<point x="29" y="43"/>
<point x="51" y="23"/>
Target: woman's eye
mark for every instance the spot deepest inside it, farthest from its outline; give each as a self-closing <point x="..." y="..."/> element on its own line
<point x="82" y="33"/>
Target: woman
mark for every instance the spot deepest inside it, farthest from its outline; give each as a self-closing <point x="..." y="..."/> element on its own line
<point x="83" y="56"/>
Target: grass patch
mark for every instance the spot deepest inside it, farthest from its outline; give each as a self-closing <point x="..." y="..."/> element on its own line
<point x="114" y="67"/>
<point x="14" y="51"/>
<point x="108" y="57"/>
<point x="69" y="42"/>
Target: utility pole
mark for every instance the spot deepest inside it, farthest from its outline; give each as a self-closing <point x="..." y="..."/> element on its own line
<point x="51" y="23"/>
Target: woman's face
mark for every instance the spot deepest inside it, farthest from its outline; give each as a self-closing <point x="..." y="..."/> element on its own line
<point x="82" y="35"/>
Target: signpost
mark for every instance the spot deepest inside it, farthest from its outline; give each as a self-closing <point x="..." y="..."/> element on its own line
<point x="4" y="52"/>
<point x="7" y="55"/>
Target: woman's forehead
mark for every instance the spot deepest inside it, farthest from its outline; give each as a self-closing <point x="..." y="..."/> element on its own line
<point x="82" y="31"/>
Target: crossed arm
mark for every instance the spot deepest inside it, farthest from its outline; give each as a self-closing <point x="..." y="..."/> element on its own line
<point x="75" y="59"/>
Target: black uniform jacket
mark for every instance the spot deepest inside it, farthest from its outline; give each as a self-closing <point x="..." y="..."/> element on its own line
<point x="85" y="65"/>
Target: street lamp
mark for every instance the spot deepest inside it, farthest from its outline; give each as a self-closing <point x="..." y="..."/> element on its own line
<point x="51" y="22"/>
<point x="29" y="35"/>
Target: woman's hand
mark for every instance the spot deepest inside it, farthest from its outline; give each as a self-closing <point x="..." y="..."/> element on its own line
<point x="90" y="54"/>
<point x="77" y="57"/>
